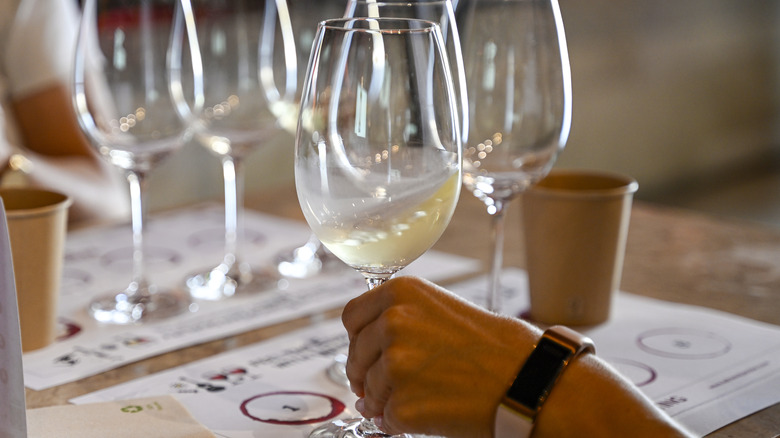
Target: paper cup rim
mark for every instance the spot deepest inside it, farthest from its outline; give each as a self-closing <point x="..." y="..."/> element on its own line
<point x="49" y="202"/>
<point x="598" y="184"/>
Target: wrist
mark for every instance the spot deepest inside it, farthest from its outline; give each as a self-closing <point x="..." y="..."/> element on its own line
<point x="517" y="411"/>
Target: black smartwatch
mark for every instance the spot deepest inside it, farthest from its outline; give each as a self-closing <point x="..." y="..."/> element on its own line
<point x="558" y="346"/>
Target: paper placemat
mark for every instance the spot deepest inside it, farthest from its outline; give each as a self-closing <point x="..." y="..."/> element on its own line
<point x="705" y="368"/>
<point x="180" y="243"/>
<point x="151" y="417"/>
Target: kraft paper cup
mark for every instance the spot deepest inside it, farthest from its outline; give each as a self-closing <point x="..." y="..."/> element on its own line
<point x="575" y="227"/>
<point x="37" y="223"/>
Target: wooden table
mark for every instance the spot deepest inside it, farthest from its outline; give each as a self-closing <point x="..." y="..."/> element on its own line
<point x="671" y="254"/>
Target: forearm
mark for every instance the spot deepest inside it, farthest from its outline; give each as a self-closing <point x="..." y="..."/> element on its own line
<point x="590" y="399"/>
<point x="430" y="362"/>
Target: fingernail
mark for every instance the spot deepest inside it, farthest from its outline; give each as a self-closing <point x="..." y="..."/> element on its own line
<point x="360" y="405"/>
<point x="377" y="421"/>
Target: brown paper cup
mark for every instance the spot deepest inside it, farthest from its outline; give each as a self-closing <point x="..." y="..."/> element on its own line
<point x="575" y="228"/>
<point x="37" y="222"/>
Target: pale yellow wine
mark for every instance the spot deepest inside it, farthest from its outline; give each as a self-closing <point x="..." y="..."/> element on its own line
<point x="388" y="240"/>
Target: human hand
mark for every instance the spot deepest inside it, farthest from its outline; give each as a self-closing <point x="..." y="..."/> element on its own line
<point x="423" y="360"/>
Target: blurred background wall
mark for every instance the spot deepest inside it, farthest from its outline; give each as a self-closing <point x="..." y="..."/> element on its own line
<point x="681" y="94"/>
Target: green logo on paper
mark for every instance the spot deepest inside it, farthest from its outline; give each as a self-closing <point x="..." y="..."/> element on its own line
<point x="132" y="409"/>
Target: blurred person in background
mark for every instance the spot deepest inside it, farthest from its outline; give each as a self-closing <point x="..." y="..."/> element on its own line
<point x="41" y="143"/>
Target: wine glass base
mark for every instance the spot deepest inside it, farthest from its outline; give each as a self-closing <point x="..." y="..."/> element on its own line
<point x="301" y="262"/>
<point x="123" y="309"/>
<point x="337" y="371"/>
<point x="351" y="428"/>
<point x="221" y="282"/>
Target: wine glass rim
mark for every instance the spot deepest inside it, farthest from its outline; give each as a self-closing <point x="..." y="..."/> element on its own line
<point x="348" y="25"/>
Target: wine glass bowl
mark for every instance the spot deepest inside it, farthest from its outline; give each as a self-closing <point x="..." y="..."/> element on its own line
<point x="519" y="87"/>
<point x="378" y="149"/>
<point x="124" y="106"/>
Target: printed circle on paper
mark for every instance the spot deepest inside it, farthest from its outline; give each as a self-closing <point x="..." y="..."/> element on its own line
<point x="292" y="408"/>
<point x="636" y="372"/>
<point x="683" y="343"/>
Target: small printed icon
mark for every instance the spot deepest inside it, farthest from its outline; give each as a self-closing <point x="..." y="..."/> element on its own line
<point x="191" y="385"/>
<point x="134" y="409"/>
<point x="234" y="375"/>
<point x="67" y="329"/>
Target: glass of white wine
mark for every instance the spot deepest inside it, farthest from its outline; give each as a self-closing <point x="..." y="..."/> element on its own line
<point x="378" y="150"/>
<point x="312" y="257"/>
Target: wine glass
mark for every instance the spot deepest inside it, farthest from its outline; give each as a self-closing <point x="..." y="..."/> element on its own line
<point x="441" y="12"/>
<point x="377" y="159"/>
<point x="124" y="106"/>
<point x="519" y="86"/>
<point x="311" y="258"/>
<point x="243" y="50"/>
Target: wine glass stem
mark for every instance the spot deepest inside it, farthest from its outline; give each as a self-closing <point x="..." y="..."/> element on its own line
<point x="373" y="282"/>
<point x="232" y="170"/>
<point x="137" y="180"/>
<point x="497" y="258"/>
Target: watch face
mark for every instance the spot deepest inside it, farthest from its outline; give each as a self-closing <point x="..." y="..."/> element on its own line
<point x="539" y="373"/>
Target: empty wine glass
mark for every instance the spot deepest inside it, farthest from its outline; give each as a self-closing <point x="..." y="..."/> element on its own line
<point x="377" y="164"/>
<point x="312" y="257"/>
<point x="243" y="49"/>
<point x="124" y="106"/>
<point x="519" y="86"/>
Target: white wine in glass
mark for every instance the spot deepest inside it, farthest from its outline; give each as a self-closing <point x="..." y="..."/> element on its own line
<point x="124" y="106"/>
<point x="378" y="150"/>
<point x="438" y="11"/>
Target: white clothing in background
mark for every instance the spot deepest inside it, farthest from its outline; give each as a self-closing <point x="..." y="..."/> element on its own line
<point x="37" y="46"/>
